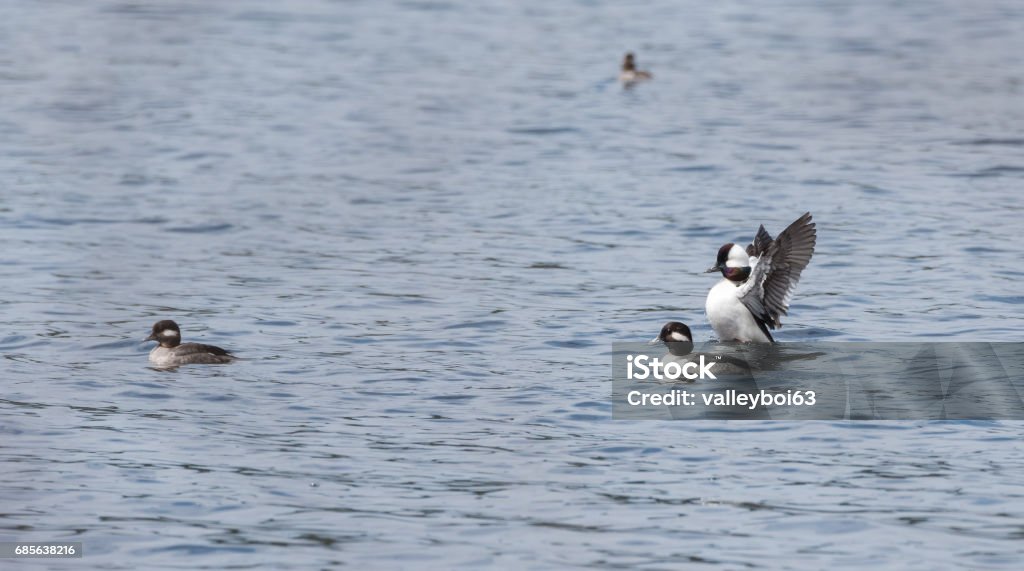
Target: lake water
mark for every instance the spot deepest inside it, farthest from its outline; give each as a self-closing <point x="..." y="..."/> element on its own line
<point x="423" y="224"/>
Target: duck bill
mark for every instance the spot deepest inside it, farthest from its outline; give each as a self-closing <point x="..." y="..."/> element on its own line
<point x="654" y="341"/>
<point x="152" y="337"/>
<point x="713" y="269"/>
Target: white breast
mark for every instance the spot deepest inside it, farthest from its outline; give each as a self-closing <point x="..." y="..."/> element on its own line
<point x="161" y="356"/>
<point x="730" y="319"/>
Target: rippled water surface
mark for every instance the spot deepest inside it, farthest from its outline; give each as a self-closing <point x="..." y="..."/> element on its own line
<point x="422" y="224"/>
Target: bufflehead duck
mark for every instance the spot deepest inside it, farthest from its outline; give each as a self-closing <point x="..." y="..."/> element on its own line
<point x="630" y="74"/>
<point x="677" y="337"/>
<point x="758" y="282"/>
<point x="171" y="352"/>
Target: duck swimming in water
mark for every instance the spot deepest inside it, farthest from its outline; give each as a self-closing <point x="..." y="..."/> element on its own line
<point x="677" y="338"/>
<point x="630" y="74"/>
<point x="171" y="352"/>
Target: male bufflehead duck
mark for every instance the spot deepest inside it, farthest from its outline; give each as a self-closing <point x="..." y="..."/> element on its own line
<point x="171" y="352"/>
<point x="758" y="282"/>
<point x="677" y="337"/>
<point x="630" y="74"/>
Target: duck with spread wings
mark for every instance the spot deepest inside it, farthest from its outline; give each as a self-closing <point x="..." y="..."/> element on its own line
<point x="758" y="282"/>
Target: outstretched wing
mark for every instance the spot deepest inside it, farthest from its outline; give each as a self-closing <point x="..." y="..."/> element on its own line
<point x="775" y="274"/>
<point x="761" y="242"/>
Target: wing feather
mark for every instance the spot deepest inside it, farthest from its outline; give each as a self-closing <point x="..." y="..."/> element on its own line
<point x="774" y="276"/>
<point x="761" y="242"/>
<point x="193" y="348"/>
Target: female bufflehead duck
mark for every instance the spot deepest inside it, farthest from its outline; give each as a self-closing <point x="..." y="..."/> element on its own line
<point x="171" y="352"/>
<point x="758" y="282"/>
<point x="676" y="336"/>
<point x="629" y="73"/>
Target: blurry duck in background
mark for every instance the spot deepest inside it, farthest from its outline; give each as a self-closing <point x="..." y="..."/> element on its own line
<point x="630" y="74"/>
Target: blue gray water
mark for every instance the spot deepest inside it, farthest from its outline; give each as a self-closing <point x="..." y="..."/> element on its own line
<point x="422" y="224"/>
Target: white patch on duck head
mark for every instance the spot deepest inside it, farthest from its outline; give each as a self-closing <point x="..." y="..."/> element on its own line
<point x="738" y="257"/>
<point x="678" y="336"/>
